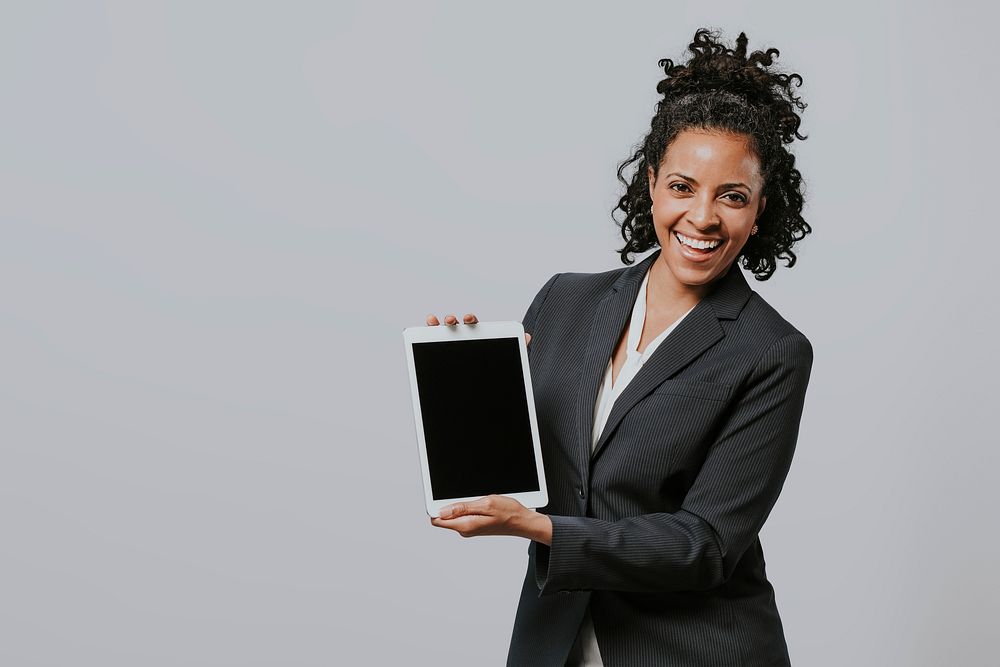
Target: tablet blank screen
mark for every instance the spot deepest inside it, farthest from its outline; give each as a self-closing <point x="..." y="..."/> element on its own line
<point x="475" y="417"/>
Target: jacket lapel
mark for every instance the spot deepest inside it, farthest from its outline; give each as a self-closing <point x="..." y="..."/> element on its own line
<point x="695" y="333"/>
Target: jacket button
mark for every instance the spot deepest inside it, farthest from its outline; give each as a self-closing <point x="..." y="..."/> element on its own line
<point x="579" y="491"/>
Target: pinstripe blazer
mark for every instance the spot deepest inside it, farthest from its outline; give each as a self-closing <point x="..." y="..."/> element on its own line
<point x="657" y="528"/>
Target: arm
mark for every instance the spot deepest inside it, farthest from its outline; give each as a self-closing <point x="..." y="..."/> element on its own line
<point x="697" y="547"/>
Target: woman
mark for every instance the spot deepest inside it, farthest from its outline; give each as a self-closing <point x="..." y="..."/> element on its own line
<point x="668" y="394"/>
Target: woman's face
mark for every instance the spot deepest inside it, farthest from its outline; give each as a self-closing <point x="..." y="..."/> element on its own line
<point x="708" y="189"/>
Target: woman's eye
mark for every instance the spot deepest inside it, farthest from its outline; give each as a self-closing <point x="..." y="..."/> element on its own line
<point x="674" y="185"/>
<point x="739" y="197"/>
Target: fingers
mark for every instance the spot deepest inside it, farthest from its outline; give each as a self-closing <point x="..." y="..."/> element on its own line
<point x="469" y="318"/>
<point x="466" y="526"/>
<point x="482" y="505"/>
<point x="489" y="515"/>
<point x="461" y="509"/>
<point x="527" y="338"/>
<point x="452" y="511"/>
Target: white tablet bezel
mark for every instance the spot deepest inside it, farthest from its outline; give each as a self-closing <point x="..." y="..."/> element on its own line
<point x="459" y="332"/>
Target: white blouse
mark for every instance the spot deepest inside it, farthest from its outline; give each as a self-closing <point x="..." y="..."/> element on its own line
<point x="585" y="652"/>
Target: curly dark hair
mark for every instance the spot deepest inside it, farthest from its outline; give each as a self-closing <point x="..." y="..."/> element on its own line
<point x="726" y="90"/>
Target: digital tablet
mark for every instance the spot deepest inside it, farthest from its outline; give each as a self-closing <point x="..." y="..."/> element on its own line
<point x="474" y="413"/>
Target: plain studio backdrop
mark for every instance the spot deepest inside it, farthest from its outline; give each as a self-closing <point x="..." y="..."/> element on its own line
<point x="217" y="218"/>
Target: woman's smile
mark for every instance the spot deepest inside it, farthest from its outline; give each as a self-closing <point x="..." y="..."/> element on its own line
<point x="694" y="250"/>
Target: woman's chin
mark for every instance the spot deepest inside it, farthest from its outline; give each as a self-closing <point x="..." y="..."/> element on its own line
<point x="700" y="273"/>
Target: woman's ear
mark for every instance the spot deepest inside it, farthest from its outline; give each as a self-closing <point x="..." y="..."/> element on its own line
<point x="652" y="180"/>
<point x="760" y="206"/>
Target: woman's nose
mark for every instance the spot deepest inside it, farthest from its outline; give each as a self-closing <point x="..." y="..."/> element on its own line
<point x="702" y="213"/>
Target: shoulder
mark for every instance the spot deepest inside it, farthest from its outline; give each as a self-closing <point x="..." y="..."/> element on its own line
<point x="580" y="286"/>
<point x="567" y="292"/>
<point x="765" y="329"/>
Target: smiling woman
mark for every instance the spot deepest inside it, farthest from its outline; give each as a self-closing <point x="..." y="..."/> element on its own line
<point x="750" y="111"/>
<point x="668" y="394"/>
<point x="704" y="208"/>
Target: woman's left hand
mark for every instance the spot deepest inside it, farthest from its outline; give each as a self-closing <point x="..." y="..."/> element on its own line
<point x="495" y="515"/>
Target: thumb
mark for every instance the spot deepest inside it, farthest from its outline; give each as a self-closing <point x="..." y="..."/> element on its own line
<point x="527" y="338"/>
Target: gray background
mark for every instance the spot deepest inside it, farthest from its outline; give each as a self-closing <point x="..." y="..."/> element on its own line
<point x="217" y="218"/>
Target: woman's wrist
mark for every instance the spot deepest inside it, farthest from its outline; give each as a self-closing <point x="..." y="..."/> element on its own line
<point x="538" y="527"/>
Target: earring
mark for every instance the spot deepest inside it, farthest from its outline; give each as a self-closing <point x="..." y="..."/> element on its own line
<point x="754" y="230"/>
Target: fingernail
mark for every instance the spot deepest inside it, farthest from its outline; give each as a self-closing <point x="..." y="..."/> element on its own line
<point x="445" y="512"/>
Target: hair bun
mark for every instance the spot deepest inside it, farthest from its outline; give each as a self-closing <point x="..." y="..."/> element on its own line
<point x="748" y="78"/>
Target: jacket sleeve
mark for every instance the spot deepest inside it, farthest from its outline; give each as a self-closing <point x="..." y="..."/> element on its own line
<point x="531" y="315"/>
<point x="698" y="546"/>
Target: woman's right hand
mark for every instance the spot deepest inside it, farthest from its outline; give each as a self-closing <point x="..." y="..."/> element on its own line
<point x="451" y="320"/>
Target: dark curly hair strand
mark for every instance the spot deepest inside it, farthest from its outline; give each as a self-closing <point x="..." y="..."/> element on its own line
<point x="723" y="89"/>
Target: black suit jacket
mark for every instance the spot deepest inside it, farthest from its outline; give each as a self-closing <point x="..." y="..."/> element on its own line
<point x="658" y="529"/>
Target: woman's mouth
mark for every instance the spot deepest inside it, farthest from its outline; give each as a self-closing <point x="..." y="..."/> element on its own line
<point x="695" y="250"/>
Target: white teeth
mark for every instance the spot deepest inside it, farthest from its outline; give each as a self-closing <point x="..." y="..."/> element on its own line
<point x="695" y="243"/>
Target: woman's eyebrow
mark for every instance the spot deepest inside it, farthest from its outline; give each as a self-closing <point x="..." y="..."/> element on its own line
<point x="721" y="187"/>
